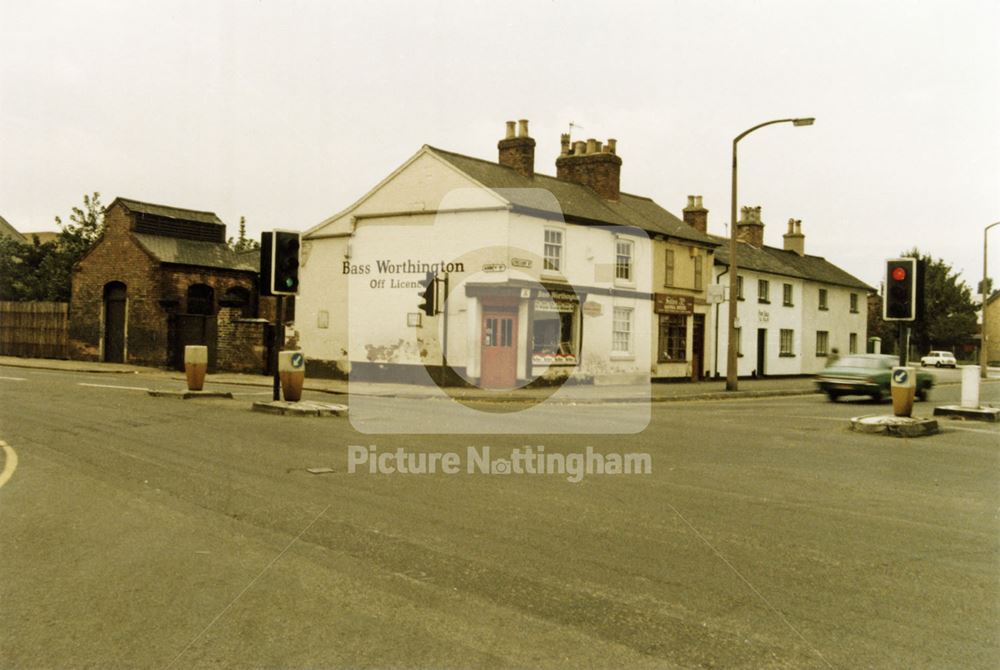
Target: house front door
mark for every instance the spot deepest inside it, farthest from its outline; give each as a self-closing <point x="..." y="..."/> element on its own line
<point x="499" y="347"/>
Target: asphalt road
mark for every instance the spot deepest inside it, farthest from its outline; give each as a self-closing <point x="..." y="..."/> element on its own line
<point x="153" y="532"/>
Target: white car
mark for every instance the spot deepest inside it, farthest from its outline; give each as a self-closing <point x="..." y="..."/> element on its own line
<point x="939" y="359"/>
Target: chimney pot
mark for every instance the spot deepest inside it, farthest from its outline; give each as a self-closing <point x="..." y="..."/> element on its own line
<point x="564" y="144"/>
<point x="794" y="239"/>
<point x="695" y="215"/>
<point x="518" y="153"/>
<point x="522" y="130"/>
<point x="612" y="145"/>
<point x="592" y="164"/>
<point x="750" y="228"/>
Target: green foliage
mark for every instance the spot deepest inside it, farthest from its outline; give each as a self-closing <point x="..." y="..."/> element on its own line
<point x="243" y="243"/>
<point x="34" y="271"/>
<point x="989" y="286"/>
<point x="949" y="312"/>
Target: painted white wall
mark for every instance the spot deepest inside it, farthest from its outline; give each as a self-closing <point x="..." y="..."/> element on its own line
<point x="804" y="318"/>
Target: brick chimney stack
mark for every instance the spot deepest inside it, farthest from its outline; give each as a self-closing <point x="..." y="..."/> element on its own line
<point x="518" y="151"/>
<point x="592" y="164"/>
<point x="695" y="215"/>
<point x="750" y="228"/>
<point x="794" y="239"/>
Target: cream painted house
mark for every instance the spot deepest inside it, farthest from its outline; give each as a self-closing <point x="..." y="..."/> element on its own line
<point x="795" y="310"/>
<point x="547" y="277"/>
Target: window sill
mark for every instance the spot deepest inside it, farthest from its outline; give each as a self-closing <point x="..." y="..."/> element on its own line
<point x="854" y="311"/>
<point x="788" y="304"/>
<point x="763" y="302"/>
<point x="824" y="309"/>
<point x="786" y="355"/>
<point x="554" y="275"/>
<point x="672" y="361"/>
<point x="818" y="355"/>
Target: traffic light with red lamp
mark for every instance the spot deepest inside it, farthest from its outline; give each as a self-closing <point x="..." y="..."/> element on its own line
<point x="902" y="294"/>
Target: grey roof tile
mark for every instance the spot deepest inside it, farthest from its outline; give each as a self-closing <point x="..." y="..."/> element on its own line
<point x="574" y="201"/>
<point x="201" y="254"/>
<point x="788" y="263"/>
<point x="168" y="212"/>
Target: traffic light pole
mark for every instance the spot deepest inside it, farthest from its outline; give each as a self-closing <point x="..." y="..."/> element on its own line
<point x="904" y="343"/>
<point x="276" y="341"/>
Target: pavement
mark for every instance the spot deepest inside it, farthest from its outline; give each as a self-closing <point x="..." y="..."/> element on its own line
<point x="577" y="393"/>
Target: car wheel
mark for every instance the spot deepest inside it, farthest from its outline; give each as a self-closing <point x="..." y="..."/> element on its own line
<point x="923" y="394"/>
<point x="923" y="364"/>
<point x="878" y="395"/>
<point x="832" y="395"/>
<point x="938" y="364"/>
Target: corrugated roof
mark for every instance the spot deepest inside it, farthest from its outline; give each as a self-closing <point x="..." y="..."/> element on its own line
<point x="788" y="263"/>
<point x="573" y="201"/>
<point x="168" y="212"/>
<point x="7" y="230"/>
<point x="191" y="252"/>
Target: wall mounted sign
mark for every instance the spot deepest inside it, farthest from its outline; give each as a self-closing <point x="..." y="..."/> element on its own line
<point x="592" y="308"/>
<point x="494" y="267"/>
<point x="521" y="262"/>
<point x="666" y="303"/>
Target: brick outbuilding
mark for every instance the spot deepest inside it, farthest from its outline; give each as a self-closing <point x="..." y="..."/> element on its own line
<point x="163" y="277"/>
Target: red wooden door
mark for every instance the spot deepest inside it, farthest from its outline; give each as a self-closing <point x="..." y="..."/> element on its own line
<point x="499" y="348"/>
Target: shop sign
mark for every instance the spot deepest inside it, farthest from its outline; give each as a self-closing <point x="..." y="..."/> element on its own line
<point x="665" y="303"/>
<point x="592" y="308"/>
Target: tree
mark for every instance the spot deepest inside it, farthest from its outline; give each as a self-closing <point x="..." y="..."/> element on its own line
<point x="34" y="271"/>
<point x="243" y="243"/>
<point x="949" y="313"/>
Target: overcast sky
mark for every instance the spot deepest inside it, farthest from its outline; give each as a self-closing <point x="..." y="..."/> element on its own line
<point x="286" y="112"/>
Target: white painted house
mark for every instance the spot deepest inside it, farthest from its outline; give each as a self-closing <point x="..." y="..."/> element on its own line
<point x="795" y="310"/>
<point x="548" y="277"/>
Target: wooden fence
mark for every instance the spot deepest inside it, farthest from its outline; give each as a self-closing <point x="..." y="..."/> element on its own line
<point x="34" y="329"/>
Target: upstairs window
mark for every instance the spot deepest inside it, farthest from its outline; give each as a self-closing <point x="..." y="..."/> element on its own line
<point x="786" y="295"/>
<point x="553" y="249"/>
<point x="623" y="260"/>
<point x="822" y="299"/>
<point x="668" y="276"/>
<point x="763" y="290"/>
<point x="854" y="303"/>
<point x="698" y="277"/>
<point x="739" y="287"/>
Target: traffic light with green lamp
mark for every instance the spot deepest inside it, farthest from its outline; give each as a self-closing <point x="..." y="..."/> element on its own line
<point x="428" y="294"/>
<point x="279" y="262"/>
<point x="901" y="290"/>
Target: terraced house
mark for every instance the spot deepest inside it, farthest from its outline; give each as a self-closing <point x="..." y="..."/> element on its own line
<point x="795" y="310"/>
<point x="548" y="277"/>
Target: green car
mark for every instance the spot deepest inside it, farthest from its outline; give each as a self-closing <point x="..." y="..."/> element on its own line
<point x="866" y="374"/>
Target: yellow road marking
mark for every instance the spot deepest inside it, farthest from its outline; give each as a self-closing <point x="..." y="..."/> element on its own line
<point x="9" y="464"/>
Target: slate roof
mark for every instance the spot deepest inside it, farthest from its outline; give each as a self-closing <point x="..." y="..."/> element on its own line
<point x="573" y="201"/>
<point x="7" y="230"/>
<point x="788" y="263"/>
<point x="168" y="212"/>
<point x="190" y="252"/>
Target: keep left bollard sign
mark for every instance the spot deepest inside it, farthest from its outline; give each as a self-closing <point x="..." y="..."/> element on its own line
<point x="292" y="372"/>
<point x="903" y="390"/>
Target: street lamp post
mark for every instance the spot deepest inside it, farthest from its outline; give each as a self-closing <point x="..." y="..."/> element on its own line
<point x="731" y="359"/>
<point x="984" y="356"/>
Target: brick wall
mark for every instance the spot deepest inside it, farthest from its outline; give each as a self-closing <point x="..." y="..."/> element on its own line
<point x="118" y="257"/>
<point x="241" y="345"/>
